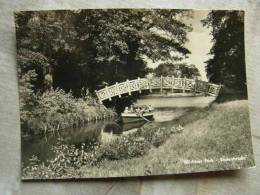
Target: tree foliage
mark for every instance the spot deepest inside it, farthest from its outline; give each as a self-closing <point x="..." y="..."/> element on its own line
<point x="80" y="51"/>
<point x="85" y="48"/>
<point x="177" y="70"/>
<point x="227" y="63"/>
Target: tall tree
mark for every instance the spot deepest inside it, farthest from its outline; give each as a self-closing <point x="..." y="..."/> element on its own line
<point x="227" y="63"/>
<point x="177" y="70"/>
<point x="86" y="48"/>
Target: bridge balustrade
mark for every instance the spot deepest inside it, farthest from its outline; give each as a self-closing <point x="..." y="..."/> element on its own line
<point x="168" y="82"/>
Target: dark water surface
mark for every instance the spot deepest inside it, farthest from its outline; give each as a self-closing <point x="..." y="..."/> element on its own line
<point x="102" y="131"/>
<point x="166" y="109"/>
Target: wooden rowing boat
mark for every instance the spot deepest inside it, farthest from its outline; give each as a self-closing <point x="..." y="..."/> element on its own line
<point x="135" y="117"/>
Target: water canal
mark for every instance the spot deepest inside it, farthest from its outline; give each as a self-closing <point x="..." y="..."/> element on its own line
<point x="166" y="109"/>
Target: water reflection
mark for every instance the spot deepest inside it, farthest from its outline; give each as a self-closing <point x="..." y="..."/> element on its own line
<point x="111" y="131"/>
<point x="103" y="131"/>
<point x="106" y="131"/>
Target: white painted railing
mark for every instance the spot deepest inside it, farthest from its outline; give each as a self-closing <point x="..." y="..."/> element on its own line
<point x="169" y="82"/>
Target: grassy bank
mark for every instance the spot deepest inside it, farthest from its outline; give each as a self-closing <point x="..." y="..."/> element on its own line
<point x="209" y="134"/>
<point x="221" y="131"/>
<point x="55" y="110"/>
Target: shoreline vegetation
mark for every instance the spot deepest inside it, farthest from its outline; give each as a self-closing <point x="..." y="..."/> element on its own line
<point x="63" y="56"/>
<point x="56" y="110"/>
<point x="219" y="131"/>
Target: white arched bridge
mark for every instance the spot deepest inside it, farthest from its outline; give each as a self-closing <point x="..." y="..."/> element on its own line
<point x="162" y="83"/>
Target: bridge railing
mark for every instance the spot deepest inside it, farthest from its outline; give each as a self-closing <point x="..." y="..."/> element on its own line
<point x="169" y="82"/>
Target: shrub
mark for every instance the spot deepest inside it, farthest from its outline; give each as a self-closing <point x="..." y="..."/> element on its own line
<point x="55" y="109"/>
<point x="68" y="157"/>
<point x="126" y="147"/>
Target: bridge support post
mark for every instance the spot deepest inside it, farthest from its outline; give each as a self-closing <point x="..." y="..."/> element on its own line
<point x="195" y="85"/>
<point x="99" y="98"/>
<point x="161" y="90"/>
<point x="128" y="87"/>
<point x="138" y="80"/>
<point x="149" y="85"/>
<point x="107" y="92"/>
<point x="118" y="91"/>
<point x="184" y="85"/>
<point x="172" y="83"/>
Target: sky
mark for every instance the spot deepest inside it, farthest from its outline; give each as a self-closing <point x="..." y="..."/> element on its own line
<point x="199" y="43"/>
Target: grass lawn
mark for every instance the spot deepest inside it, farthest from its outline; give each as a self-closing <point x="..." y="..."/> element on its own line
<point x="215" y="138"/>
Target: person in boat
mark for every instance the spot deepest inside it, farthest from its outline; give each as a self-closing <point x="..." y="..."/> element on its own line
<point x="132" y="109"/>
<point x="150" y="108"/>
<point x="126" y="110"/>
<point x="143" y="110"/>
<point x="138" y="110"/>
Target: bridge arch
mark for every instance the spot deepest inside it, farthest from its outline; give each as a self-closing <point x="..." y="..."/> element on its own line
<point x="168" y="82"/>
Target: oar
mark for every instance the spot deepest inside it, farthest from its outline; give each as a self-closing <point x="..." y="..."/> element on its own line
<point x="118" y="119"/>
<point x="144" y="118"/>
